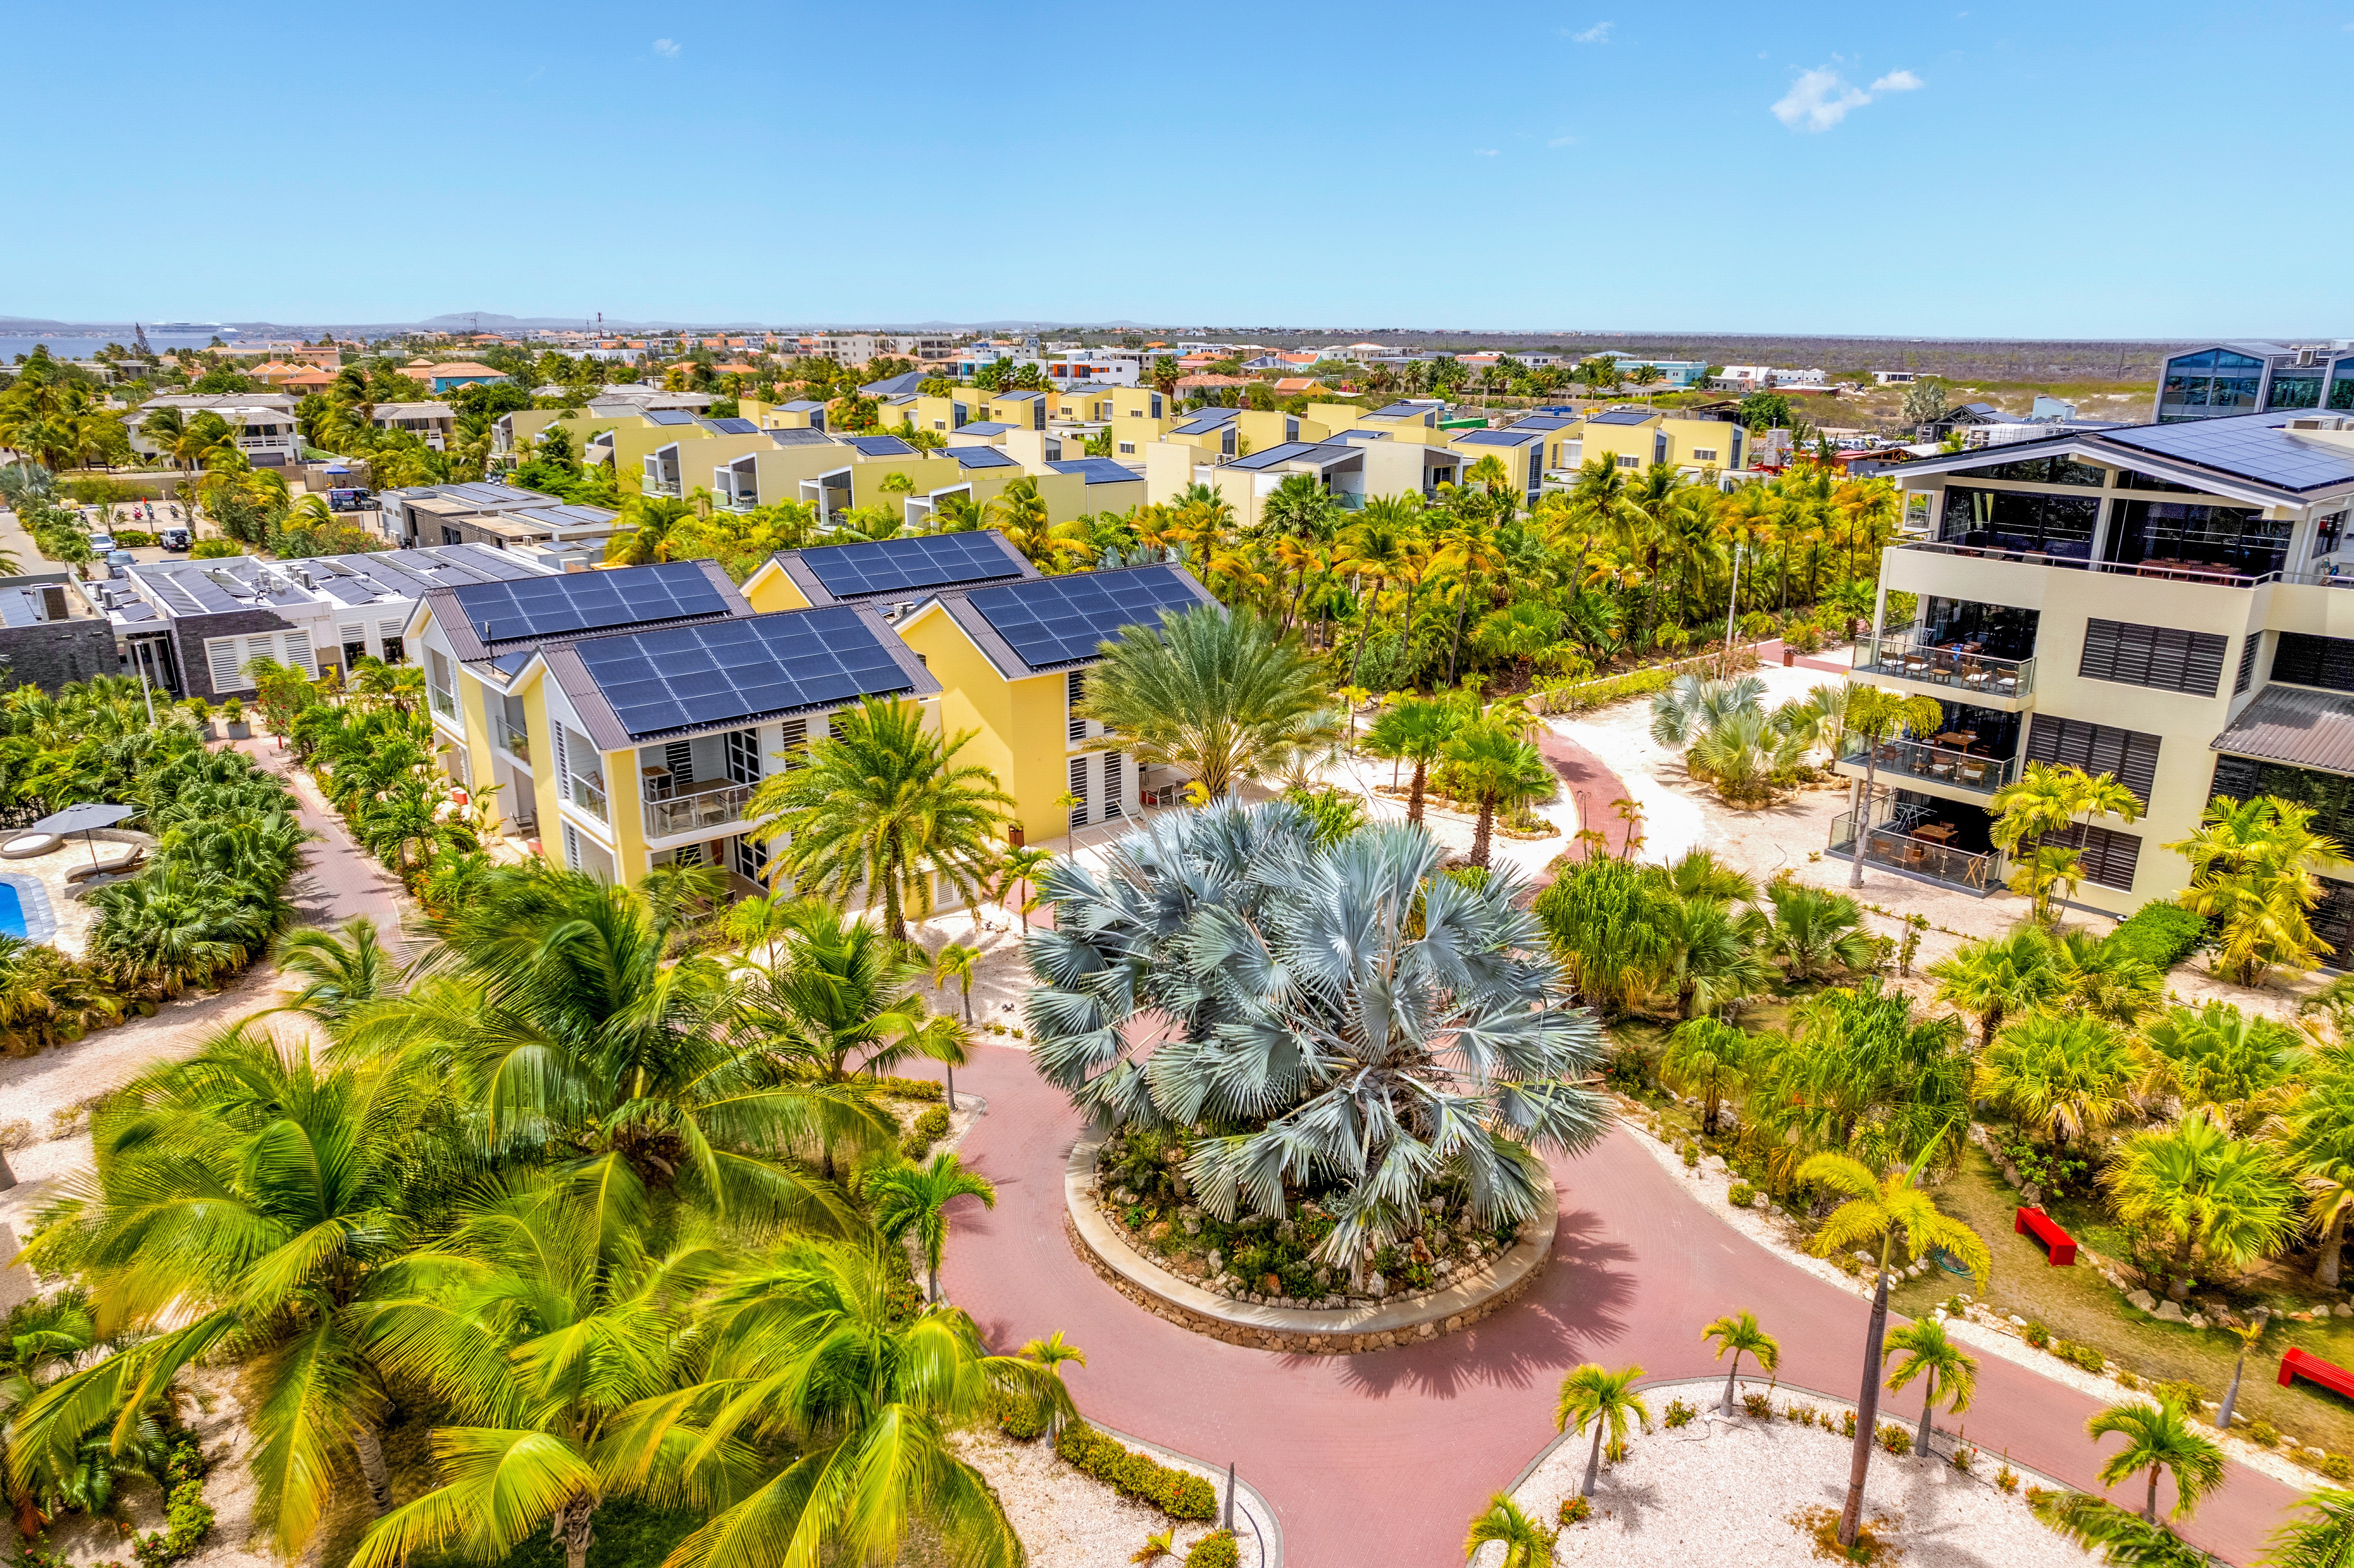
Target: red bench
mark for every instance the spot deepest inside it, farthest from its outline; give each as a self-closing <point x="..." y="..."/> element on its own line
<point x="2059" y="1244"/>
<point x="2296" y="1363"/>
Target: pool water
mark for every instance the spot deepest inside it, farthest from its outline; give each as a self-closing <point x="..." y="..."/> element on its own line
<point x="12" y="913"/>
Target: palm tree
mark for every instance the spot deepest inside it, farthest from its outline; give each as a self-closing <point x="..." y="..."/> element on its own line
<point x="2158" y="1438"/>
<point x="2064" y="1077"/>
<point x="546" y="1330"/>
<point x="2106" y="979"/>
<point x="1415" y="729"/>
<point x="842" y="999"/>
<point x="248" y="1204"/>
<point x="340" y="974"/>
<point x="1352" y="944"/>
<point x="1738" y="1333"/>
<point x="1889" y="1210"/>
<point x="1051" y="1353"/>
<point x="1705" y="1056"/>
<point x="1527" y="1543"/>
<point x="2321" y="1536"/>
<point x="2043" y="802"/>
<point x="883" y="807"/>
<point x="2251" y="873"/>
<point x="1813" y="930"/>
<point x="2316" y="1140"/>
<point x="1156" y="1547"/>
<point x="2248" y="1334"/>
<point x="1877" y="718"/>
<point x="2119" y="1536"/>
<point x="1715" y="962"/>
<point x="1214" y="692"/>
<point x="813" y="1361"/>
<point x="2238" y="1066"/>
<point x="1692" y="707"/>
<point x="914" y="1199"/>
<point x="1593" y="1393"/>
<point x="956" y="962"/>
<point x="1940" y="1363"/>
<point x="1499" y="768"/>
<point x="2196" y="1188"/>
<point x="1022" y="868"/>
<point x="1998" y="978"/>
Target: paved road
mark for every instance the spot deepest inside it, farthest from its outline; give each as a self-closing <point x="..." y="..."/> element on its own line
<point x="1594" y="786"/>
<point x="1381" y="1458"/>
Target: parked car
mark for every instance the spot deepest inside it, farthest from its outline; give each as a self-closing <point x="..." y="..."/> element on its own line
<point x="101" y="542"/>
<point x="118" y="559"/>
<point x="174" y="540"/>
<point x="350" y="499"/>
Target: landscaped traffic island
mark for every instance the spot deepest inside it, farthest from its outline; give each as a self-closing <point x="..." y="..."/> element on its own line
<point x="1448" y="1278"/>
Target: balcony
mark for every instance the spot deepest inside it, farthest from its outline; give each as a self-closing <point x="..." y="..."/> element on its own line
<point x="1977" y="676"/>
<point x="699" y="809"/>
<point x="662" y="487"/>
<point x="514" y="742"/>
<point x="2164" y="571"/>
<point x="589" y="798"/>
<point x="1902" y="848"/>
<point x="1937" y="764"/>
<point x="443" y="703"/>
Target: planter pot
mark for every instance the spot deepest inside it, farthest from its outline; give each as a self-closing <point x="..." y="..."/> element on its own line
<point x="240" y="730"/>
<point x="208" y="732"/>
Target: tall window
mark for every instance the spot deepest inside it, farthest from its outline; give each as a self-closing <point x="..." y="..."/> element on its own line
<point x="744" y="756"/>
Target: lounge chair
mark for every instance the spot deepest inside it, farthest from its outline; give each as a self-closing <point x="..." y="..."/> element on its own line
<point x="113" y="860"/>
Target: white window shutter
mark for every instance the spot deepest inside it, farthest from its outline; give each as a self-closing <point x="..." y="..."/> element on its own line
<point x="298" y="654"/>
<point x="220" y="653"/>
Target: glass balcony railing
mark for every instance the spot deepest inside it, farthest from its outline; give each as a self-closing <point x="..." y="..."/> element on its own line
<point x="1906" y="850"/>
<point x="716" y="806"/>
<point x="443" y="703"/>
<point x="1898" y="655"/>
<point x="516" y="743"/>
<point x="589" y="798"/>
<point x="1938" y="764"/>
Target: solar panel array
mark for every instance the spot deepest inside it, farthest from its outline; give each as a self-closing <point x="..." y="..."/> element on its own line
<point x="1620" y="416"/>
<point x="979" y="457"/>
<point x="893" y="566"/>
<point x="879" y="446"/>
<point x="1500" y="437"/>
<point x="683" y="677"/>
<point x="1097" y="471"/>
<point x="2252" y="446"/>
<point x="1059" y="621"/>
<point x="589" y="601"/>
<point x="733" y="427"/>
<point x="667" y="417"/>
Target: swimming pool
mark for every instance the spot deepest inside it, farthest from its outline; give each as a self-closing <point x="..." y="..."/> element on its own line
<point x="12" y="913"/>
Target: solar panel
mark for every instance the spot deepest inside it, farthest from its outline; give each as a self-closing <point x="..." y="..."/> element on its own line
<point x="880" y="446"/>
<point x="588" y="602"/>
<point x="733" y="426"/>
<point x="2251" y="446"/>
<point x="685" y="676"/>
<point x="1060" y="620"/>
<point x="668" y="417"/>
<point x="894" y="565"/>
<point x="1098" y="471"/>
<point x="980" y="456"/>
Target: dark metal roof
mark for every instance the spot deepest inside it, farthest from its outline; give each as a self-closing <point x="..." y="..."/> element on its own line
<point x="923" y="564"/>
<point x="2295" y="724"/>
<point x="1512" y="438"/>
<point x="1322" y="454"/>
<point x="893" y="385"/>
<point x="631" y="687"/>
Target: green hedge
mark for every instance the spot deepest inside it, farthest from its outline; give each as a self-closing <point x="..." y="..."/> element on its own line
<point x="1215" y="1550"/>
<point x="2160" y="934"/>
<point x="929" y="1128"/>
<point x="907" y="1088"/>
<point x="1180" y="1494"/>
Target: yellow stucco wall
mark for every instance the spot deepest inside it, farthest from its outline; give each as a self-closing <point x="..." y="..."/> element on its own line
<point x="1023" y="730"/>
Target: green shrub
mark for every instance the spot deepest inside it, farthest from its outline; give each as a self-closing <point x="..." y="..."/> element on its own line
<point x="2035" y="1334"/>
<point x="1740" y="1194"/>
<point x="1803" y="1414"/>
<point x="1691" y="1156"/>
<point x="2338" y="1467"/>
<point x="2182" y="1392"/>
<point x="1759" y="1406"/>
<point x="907" y="1089"/>
<point x="1576" y="1510"/>
<point x="2263" y="1434"/>
<point x="1177" y="1493"/>
<point x="2007" y="1478"/>
<point x="1679" y="1413"/>
<point x="929" y="1128"/>
<point x="188" y="1518"/>
<point x="1895" y="1439"/>
<point x="2160" y="934"/>
<point x="1847" y="1423"/>
<point x="2079" y="1355"/>
<point x="1215" y="1550"/>
<point x="1964" y="1457"/>
<point x="214" y="549"/>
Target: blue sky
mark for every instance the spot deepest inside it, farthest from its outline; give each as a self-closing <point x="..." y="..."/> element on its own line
<point x="1930" y="170"/>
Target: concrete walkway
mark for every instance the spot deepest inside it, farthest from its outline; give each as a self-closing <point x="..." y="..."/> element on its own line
<point x="1381" y="1458"/>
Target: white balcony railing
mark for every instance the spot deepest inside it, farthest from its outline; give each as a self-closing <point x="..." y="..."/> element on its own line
<point x="714" y="806"/>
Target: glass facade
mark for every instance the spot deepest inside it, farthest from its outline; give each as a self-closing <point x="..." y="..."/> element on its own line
<point x="2208" y="385"/>
<point x="1996" y="630"/>
<point x="2298" y="389"/>
<point x="2009" y="521"/>
<point x="2039" y="470"/>
<point x="2235" y="540"/>
<point x="2134" y="479"/>
<point x="2341" y="386"/>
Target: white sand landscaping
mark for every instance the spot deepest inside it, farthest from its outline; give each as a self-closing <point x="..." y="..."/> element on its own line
<point x="1725" y="1490"/>
<point x="1067" y="1521"/>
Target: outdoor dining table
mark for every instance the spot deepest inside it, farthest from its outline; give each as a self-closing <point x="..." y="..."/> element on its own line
<point x="1941" y="831"/>
<point x="1960" y="739"/>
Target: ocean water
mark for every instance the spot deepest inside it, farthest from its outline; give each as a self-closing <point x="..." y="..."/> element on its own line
<point x="12" y="345"/>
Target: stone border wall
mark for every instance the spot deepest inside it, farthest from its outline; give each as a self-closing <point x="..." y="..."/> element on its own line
<point x="1350" y="1332"/>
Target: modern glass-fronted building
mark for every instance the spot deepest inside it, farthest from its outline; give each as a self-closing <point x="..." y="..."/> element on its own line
<point x="2255" y="378"/>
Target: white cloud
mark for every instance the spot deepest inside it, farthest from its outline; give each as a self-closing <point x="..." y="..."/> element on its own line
<point x="1819" y="99"/>
<point x="1563" y="142"/>
<point x="1485" y="152"/>
<point x="1597" y="34"/>
<point x="667" y="48"/>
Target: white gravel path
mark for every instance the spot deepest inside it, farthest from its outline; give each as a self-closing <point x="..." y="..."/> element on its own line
<point x="1723" y="1491"/>
<point x="1066" y="1520"/>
